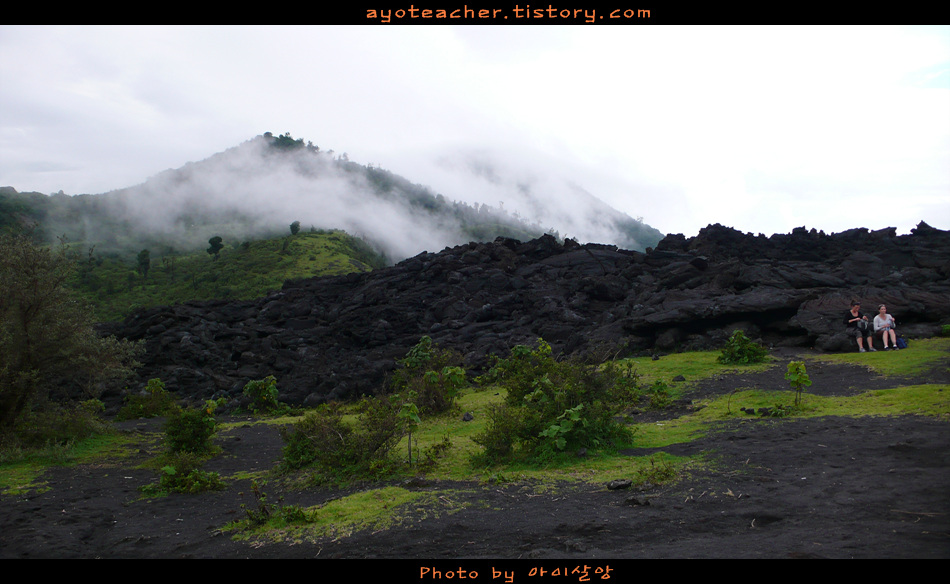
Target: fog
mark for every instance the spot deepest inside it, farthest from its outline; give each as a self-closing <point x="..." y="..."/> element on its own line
<point x="764" y="129"/>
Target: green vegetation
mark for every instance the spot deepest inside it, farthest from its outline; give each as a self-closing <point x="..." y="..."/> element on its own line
<point x="47" y="339"/>
<point x="432" y="376"/>
<point x="376" y="509"/>
<point x="246" y="270"/>
<point x="741" y="350"/>
<point x="555" y="407"/>
<point x="271" y="515"/>
<point x="536" y="422"/>
<point x="188" y="442"/>
<point x="181" y="473"/>
<point x="191" y="430"/>
<point x="154" y="401"/>
<point x="798" y="379"/>
<point x="263" y="395"/>
<point x="337" y="450"/>
<point x="22" y="468"/>
<point x="922" y="356"/>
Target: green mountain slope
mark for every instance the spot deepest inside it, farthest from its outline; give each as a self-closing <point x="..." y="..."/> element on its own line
<point x="115" y="286"/>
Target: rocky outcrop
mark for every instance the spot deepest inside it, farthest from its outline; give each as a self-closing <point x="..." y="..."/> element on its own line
<point x="339" y="337"/>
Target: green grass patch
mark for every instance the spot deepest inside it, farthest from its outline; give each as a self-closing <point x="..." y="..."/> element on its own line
<point x="694" y="367"/>
<point x="375" y="509"/>
<point x="21" y="471"/>
<point x="921" y="356"/>
<point x="924" y="400"/>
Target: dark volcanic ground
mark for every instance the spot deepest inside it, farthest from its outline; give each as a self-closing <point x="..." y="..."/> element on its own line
<point x="871" y="487"/>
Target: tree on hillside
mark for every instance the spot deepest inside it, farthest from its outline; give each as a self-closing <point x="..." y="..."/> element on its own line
<point x="46" y="335"/>
<point x="216" y="246"/>
<point x="144" y="263"/>
<point x="295" y="227"/>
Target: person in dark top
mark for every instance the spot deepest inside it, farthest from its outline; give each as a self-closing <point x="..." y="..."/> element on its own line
<point x="859" y="327"/>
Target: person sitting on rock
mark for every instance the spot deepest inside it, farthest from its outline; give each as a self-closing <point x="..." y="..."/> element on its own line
<point x="859" y="326"/>
<point x="884" y="325"/>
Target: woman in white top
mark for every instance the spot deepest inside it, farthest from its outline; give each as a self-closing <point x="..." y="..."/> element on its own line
<point x="884" y="323"/>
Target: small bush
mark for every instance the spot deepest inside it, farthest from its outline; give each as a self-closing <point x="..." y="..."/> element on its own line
<point x="182" y="473"/>
<point x="657" y="473"/>
<point x="432" y="375"/>
<point x="341" y="450"/>
<point x="263" y="396"/>
<point x="191" y="430"/>
<point x="432" y="454"/>
<point x="741" y="350"/>
<point x="504" y="430"/>
<point x="57" y="425"/>
<point x="660" y="395"/>
<point x="154" y="401"/>
<point x="276" y="514"/>
<point x="555" y="406"/>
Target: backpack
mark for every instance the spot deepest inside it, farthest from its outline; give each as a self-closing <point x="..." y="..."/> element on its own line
<point x="863" y="325"/>
<point x="901" y="343"/>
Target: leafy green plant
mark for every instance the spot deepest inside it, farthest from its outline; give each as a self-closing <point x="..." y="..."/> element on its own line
<point x="741" y="350"/>
<point x="562" y="432"/>
<point x="191" y="429"/>
<point x="431" y="455"/>
<point x="277" y="514"/>
<point x="554" y="406"/>
<point x="660" y="395"/>
<point x="657" y="473"/>
<point x="262" y="394"/>
<point x="182" y="473"/>
<point x="797" y="378"/>
<point x="47" y="338"/>
<point x="409" y="414"/>
<point x="57" y="425"/>
<point x="337" y="449"/>
<point x="154" y="401"/>
<point x="432" y="374"/>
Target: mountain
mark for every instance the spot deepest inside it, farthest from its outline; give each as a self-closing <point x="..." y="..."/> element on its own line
<point x="256" y="189"/>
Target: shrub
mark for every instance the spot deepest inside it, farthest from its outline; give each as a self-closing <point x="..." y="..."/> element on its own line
<point x="554" y="406"/>
<point x="277" y="514"/>
<point x="660" y="395"/>
<point x="432" y="374"/>
<point x="504" y="430"/>
<point x="154" y="401"/>
<point x="191" y="429"/>
<point x="182" y="474"/>
<point x="263" y="395"/>
<point x="432" y="454"/>
<point x="341" y="450"/>
<point x="57" y="425"/>
<point x="741" y="350"/>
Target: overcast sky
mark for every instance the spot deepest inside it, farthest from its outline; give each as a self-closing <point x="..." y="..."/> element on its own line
<point x="759" y="128"/>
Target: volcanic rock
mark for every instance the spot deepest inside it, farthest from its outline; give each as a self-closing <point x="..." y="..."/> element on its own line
<point x="335" y="338"/>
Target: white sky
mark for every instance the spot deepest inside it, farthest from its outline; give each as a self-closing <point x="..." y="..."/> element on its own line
<point x="759" y="128"/>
